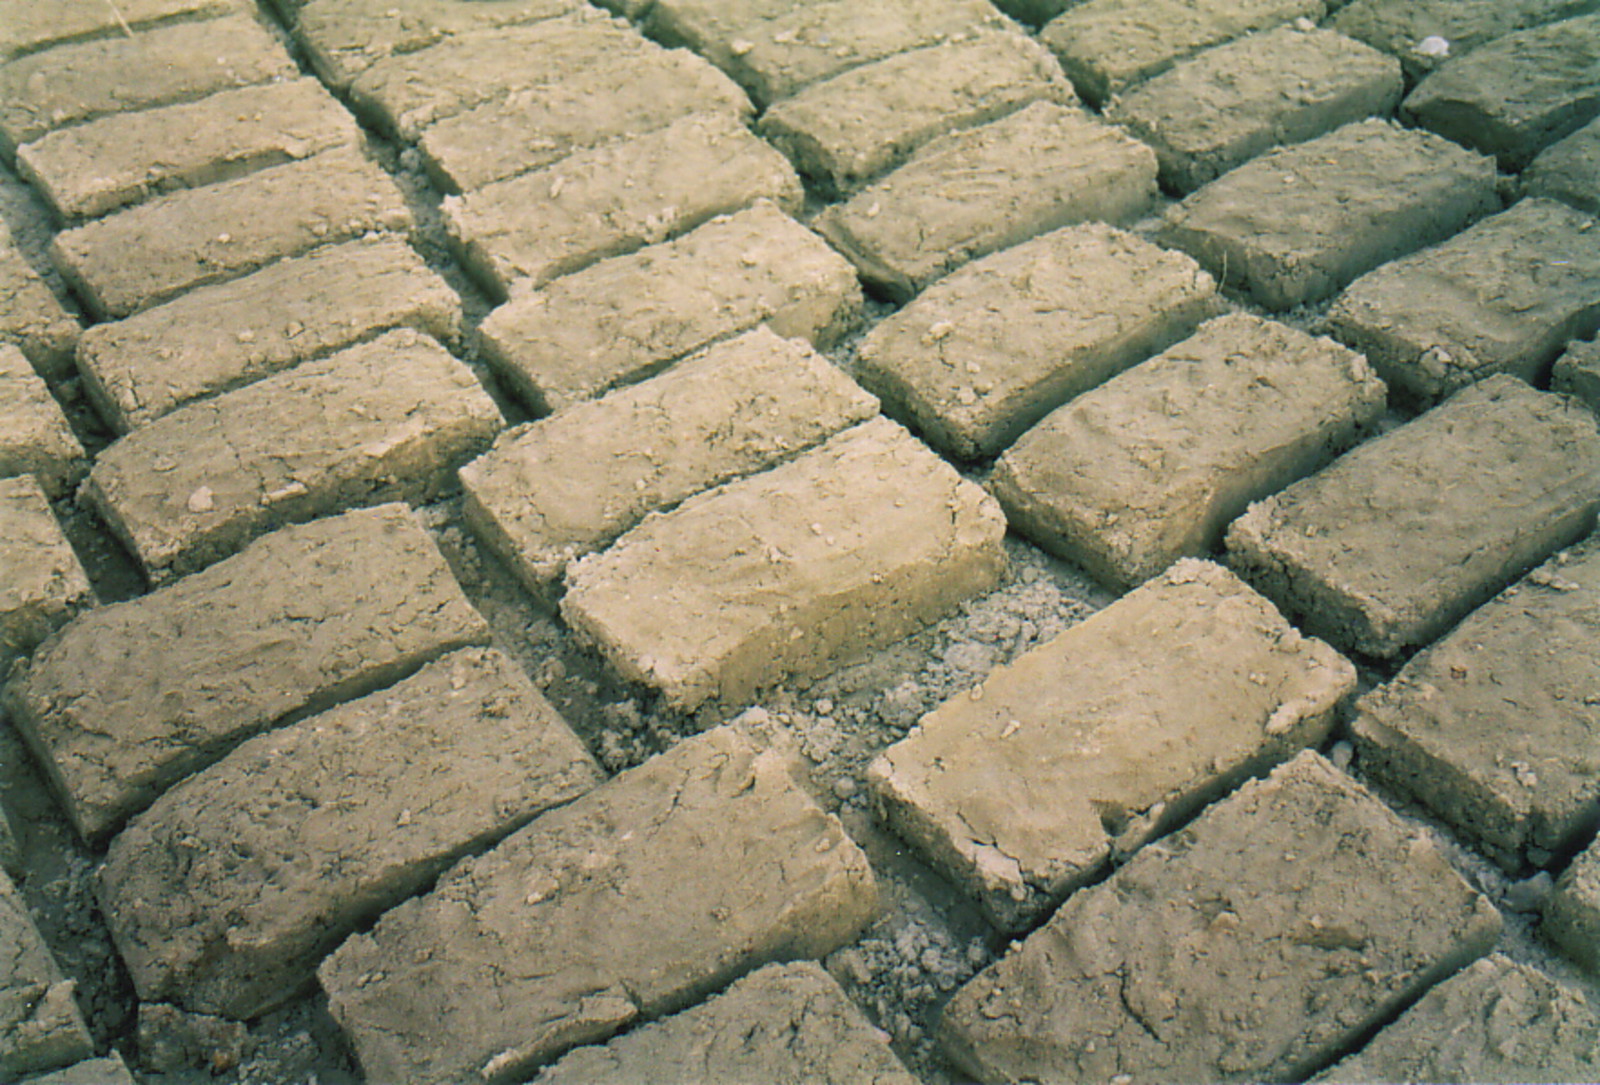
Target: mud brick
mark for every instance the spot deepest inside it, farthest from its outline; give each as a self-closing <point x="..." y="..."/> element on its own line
<point x="1569" y="170"/>
<point x="35" y="438"/>
<point x="404" y="94"/>
<point x="848" y="129"/>
<point x="705" y="862"/>
<point x="226" y="894"/>
<point x="1519" y="93"/>
<point x="44" y="585"/>
<point x="967" y="194"/>
<point x="784" y="1023"/>
<point x="1401" y="538"/>
<point x="1401" y="26"/>
<point x="10" y="849"/>
<point x="1255" y="944"/>
<point x="995" y="346"/>
<point x="343" y="38"/>
<point x="570" y="484"/>
<point x="224" y="336"/>
<point x="1084" y="748"/>
<point x="147" y="254"/>
<point x="1106" y="46"/>
<point x="537" y="127"/>
<point x="1299" y="223"/>
<point x="387" y="420"/>
<point x="33" y="318"/>
<point x="626" y="318"/>
<point x="1217" y="110"/>
<point x="131" y="697"/>
<point x="1503" y="296"/>
<point x="1577" y="373"/>
<point x="178" y="63"/>
<point x="26" y="26"/>
<point x="126" y="158"/>
<point x="1492" y="727"/>
<point x="1572" y="915"/>
<point x="110" y="1070"/>
<point x="851" y="546"/>
<point x="40" y="1027"/>
<point x="615" y="199"/>
<point x="1155" y="463"/>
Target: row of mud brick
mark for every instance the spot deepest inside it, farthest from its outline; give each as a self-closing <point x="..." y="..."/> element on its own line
<point x="305" y="761"/>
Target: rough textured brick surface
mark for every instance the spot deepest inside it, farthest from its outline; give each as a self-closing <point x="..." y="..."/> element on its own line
<point x="969" y="193"/>
<point x="33" y="318"/>
<point x="226" y="894"/>
<point x="1401" y="538"/>
<point x="147" y="254"/>
<point x="565" y="486"/>
<point x="1577" y="373"/>
<point x="996" y="345"/>
<point x="1401" y="26"/>
<point x="1084" y="748"/>
<point x="1299" y="223"/>
<point x="35" y="438"/>
<point x="131" y="697"/>
<point x="1569" y="170"/>
<point x="110" y="1070"/>
<point x="1503" y="296"/>
<point x="785" y="1024"/>
<point x="1572" y="915"/>
<point x="27" y="26"/>
<point x="1252" y="945"/>
<point x="1519" y="93"/>
<point x="42" y="584"/>
<point x="848" y="129"/>
<point x="642" y="896"/>
<point x="1493" y="727"/>
<point x="40" y="1027"/>
<point x="226" y="335"/>
<point x="1155" y="463"/>
<point x="615" y="199"/>
<point x="1231" y="103"/>
<point x="625" y="318"/>
<point x="851" y="546"/>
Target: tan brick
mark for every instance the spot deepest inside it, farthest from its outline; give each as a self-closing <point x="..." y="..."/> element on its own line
<point x="220" y="337"/>
<point x="33" y="318"/>
<point x="110" y="1070"/>
<point x="1569" y="170"/>
<point x="989" y="350"/>
<point x="625" y="318"/>
<point x="27" y="26"/>
<point x="1255" y="944"/>
<point x="570" y="484"/>
<point x="970" y="193"/>
<point x="35" y="438"/>
<point x="386" y="420"/>
<point x="131" y="697"/>
<point x="1572" y="915"/>
<point x="40" y="1026"/>
<point x="701" y="864"/>
<point x="1155" y="463"/>
<point x="851" y="546"/>
<point x="43" y="585"/>
<point x="615" y="199"/>
<point x="226" y="894"/>
<point x="1401" y="26"/>
<point x="1577" y="374"/>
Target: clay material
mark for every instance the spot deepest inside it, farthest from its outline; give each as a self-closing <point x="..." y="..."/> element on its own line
<point x="42" y="584"/>
<point x="35" y="438"/>
<point x="33" y="318"/>
<point x="40" y="1026"/>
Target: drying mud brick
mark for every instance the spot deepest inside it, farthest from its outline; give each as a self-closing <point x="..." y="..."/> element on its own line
<point x="566" y="486"/>
<point x="1493" y="727"/>
<point x="343" y="38"/>
<point x="1401" y="538"/>
<point x="35" y="438"/>
<point x="144" y="255"/>
<point x="969" y="193"/>
<point x="1577" y="373"/>
<point x="615" y="199"/>
<point x="126" y="158"/>
<point x="27" y="26"/>
<point x="42" y="584"/>
<point x="1107" y="46"/>
<point x="1518" y="94"/>
<point x="110" y="1070"/>
<point x="388" y="420"/>
<point x="1255" y="944"/>
<point x="645" y="895"/>
<point x="1502" y="296"/>
<point x="1569" y="171"/>
<point x="226" y="894"/>
<point x="536" y="127"/>
<point x="33" y="318"/>
<point x="1572" y="915"/>
<point x="851" y="546"/>
<point x="1299" y="223"/>
<point x="1155" y="463"/>
<point x="623" y="319"/>
<point x="785" y="1024"/>
<point x="226" y="335"/>
<point x="1084" y="748"/>
<point x="1495" y="1020"/>
<point x="1401" y="26"/>
<point x="847" y="130"/>
<point x="40" y="1027"/>
<point x="992" y="348"/>
<point x="131" y="697"/>
<point x="178" y="63"/>
<point x="1229" y="104"/>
